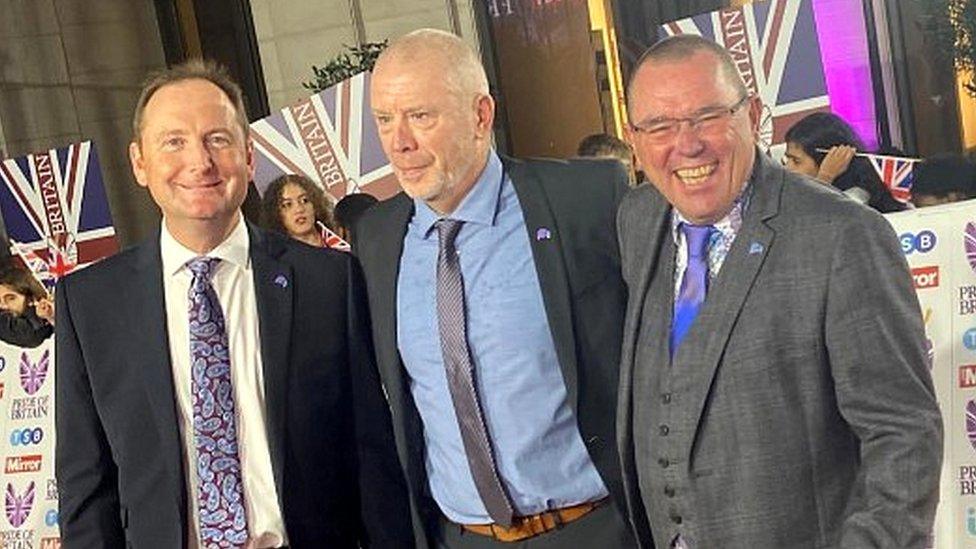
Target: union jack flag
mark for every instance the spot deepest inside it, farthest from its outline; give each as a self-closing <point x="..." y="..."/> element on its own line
<point x="896" y="173"/>
<point x="33" y="374"/>
<point x="18" y="507"/>
<point x="37" y="266"/>
<point x="330" y="138"/>
<point x="54" y="207"/>
<point x="775" y="47"/>
<point x="331" y="239"/>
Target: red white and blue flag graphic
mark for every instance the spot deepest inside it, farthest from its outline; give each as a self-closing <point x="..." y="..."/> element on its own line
<point x="330" y="138"/>
<point x="331" y="239"/>
<point x="775" y="47"/>
<point x="55" y="209"/>
<point x="896" y="173"/>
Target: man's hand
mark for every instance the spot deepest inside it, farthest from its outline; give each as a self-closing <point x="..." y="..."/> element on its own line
<point x="835" y="163"/>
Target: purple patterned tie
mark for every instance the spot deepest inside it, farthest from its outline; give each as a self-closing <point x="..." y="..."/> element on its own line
<point x="694" y="283"/>
<point x="220" y="496"/>
<point x="451" y="321"/>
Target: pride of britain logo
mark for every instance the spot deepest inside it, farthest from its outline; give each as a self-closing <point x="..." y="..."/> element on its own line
<point x="33" y="374"/>
<point x="18" y="506"/>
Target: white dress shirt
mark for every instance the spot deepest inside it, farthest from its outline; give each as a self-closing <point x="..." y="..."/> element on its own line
<point x="233" y="280"/>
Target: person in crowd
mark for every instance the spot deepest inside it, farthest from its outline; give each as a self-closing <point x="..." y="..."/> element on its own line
<point x="823" y="146"/>
<point x="943" y="179"/>
<point x="349" y="210"/>
<point x="774" y="382"/>
<point x="497" y="304"/>
<point x="26" y="310"/>
<point x="295" y="206"/>
<point x="229" y="399"/>
<point x="602" y="145"/>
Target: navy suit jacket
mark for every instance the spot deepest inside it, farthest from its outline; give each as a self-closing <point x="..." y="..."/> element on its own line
<point x="119" y="460"/>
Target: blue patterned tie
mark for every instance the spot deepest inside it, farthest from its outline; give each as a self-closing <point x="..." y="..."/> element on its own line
<point x="694" y="283"/>
<point x="220" y="494"/>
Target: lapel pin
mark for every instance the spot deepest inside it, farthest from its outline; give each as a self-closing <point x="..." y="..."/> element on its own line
<point x="755" y="248"/>
<point x="543" y="233"/>
<point x="281" y="281"/>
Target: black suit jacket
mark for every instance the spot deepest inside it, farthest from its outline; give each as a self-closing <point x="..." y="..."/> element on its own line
<point x="582" y="289"/>
<point x="119" y="459"/>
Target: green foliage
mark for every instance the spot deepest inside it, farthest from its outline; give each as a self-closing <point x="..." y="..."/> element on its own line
<point x="354" y="60"/>
<point x="952" y="25"/>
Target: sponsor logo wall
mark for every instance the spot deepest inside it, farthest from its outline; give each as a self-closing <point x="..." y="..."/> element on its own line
<point x="57" y="217"/>
<point x="940" y="246"/>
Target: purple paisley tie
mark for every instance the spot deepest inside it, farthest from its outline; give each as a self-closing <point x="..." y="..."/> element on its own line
<point x="220" y="495"/>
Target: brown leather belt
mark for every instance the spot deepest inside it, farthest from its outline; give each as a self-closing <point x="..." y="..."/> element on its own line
<point x="534" y="525"/>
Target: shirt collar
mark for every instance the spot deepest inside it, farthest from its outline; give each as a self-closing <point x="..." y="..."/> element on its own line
<point x="234" y="249"/>
<point x="728" y="226"/>
<point x="479" y="206"/>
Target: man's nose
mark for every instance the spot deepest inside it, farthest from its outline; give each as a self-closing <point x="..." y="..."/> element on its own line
<point x="198" y="155"/>
<point x="403" y="138"/>
<point x="688" y="141"/>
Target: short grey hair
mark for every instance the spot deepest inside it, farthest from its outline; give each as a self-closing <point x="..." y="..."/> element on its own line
<point x="683" y="46"/>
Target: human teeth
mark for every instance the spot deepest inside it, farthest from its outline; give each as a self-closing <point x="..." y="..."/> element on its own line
<point x="696" y="174"/>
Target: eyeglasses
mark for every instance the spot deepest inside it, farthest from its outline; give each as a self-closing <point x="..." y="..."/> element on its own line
<point x="663" y="130"/>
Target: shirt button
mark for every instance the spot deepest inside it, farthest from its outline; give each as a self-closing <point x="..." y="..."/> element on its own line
<point x="669" y="491"/>
<point x="665" y="430"/>
<point x="666" y="398"/>
<point x="676" y="518"/>
<point x="663" y="462"/>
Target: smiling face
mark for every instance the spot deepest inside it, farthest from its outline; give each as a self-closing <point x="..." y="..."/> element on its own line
<point x="296" y="210"/>
<point x="436" y="135"/>
<point x="194" y="157"/>
<point x="701" y="171"/>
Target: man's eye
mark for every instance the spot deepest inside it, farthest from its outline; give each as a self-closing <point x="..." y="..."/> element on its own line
<point x="383" y="119"/>
<point x="219" y="140"/>
<point x="173" y="143"/>
<point x="420" y="116"/>
<point x="661" y="129"/>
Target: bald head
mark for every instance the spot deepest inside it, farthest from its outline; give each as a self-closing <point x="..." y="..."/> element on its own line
<point x="453" y="59"/>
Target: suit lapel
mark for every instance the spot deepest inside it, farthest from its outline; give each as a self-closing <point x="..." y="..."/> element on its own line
<point x="547" y="245"/>
<point x="273" y="292"/>
<point x="389" y="248"/>
<point x="704" y="347"/>
<point x="148" y="304"/>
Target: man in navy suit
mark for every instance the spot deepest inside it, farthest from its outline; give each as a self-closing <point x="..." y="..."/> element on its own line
<point x="215" y="384"/>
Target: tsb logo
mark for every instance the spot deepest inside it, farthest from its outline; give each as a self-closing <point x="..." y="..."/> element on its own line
<point x="926" y="277"/>
<point x="26" y="437"/>
<point x="922" y="242"/>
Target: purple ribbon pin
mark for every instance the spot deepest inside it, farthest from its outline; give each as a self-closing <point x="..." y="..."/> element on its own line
<point x="281" y="281"/>
<point x="543" y="233"/>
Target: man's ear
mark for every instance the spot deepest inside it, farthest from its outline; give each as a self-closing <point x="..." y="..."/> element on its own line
<point x="485" y="111"/>
<point x="138" y="163"/>
<point x="251" y="162"/>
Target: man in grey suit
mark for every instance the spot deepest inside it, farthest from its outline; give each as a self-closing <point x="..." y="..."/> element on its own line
<point x="774" y="388"/>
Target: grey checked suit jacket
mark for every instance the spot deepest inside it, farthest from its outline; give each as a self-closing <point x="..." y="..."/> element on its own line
<point x="799" y="410"/>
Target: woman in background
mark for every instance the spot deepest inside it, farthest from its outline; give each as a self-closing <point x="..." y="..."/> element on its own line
<point x="26" y="310"/>
<point x="838" y="167"/>
<point x="295" y="206"/>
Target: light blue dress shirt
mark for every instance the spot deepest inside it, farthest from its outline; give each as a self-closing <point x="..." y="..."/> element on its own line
<point x="539" y="452"/>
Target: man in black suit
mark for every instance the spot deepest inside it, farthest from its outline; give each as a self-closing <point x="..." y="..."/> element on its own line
<point x="497" y="304"/>
<point x="215" y="385"/>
